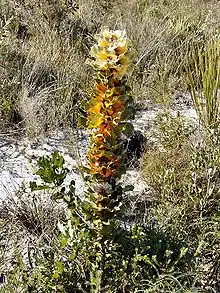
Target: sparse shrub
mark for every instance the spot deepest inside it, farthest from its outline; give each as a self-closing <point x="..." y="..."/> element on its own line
<point x="185" y="176"/>
<point x="170" y="157"/>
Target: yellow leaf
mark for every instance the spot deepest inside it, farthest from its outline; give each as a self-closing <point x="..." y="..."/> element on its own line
<point x="104" y="43"/>
<point x="95" y="121"/>
<point x="96" y="108"/>
<point x="103" y="55"/>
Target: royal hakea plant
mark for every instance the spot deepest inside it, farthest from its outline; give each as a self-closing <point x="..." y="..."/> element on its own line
<point x="91" y="222"/>
<point x="108" y="110"/>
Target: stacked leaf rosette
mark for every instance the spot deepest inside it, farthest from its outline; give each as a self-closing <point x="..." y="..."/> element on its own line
<point x="108" y="110"/>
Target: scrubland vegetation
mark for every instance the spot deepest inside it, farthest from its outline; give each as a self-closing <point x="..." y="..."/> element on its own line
<point x="172" y="244"/>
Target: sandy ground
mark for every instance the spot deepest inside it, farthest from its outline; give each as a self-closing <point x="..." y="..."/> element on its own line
<point x="18" y="157"/>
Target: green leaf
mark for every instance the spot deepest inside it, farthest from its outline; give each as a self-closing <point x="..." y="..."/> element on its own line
<point x="59" y="194"/>
<point x="67" y="199"/>
<point x="55" y="275"/>
<point x="128" y="188"/>
<point x="46" y="175"/>
<point x="82" y="121"/>
<point x="127" y="128"/>
<point x="199" y="248"/>
<point x="42" y="162"/>
<point x="128" y="113"/>
<point x="52" y="169"/>
<point x="59" y="266"/>
<point x="34" y="186"/>
<point x="72" y="187"/>
<point x="57" y="160"/>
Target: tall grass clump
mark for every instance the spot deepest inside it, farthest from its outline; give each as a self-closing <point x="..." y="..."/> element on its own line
<point x="203" y="80"/>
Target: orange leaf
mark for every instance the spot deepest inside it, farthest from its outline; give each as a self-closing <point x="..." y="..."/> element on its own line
<point x="101" y="87"/>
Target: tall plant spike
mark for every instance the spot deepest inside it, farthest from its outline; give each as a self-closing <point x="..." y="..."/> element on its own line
<point x="107" y="111"/>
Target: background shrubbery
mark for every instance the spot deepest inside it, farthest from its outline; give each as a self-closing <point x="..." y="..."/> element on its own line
<point x="175" y="244"/>
<point x="44" y="47"/>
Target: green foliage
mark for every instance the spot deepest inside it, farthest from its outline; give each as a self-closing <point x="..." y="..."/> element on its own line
<point x="7" y="109"/>
<point x="51" y="170"/>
